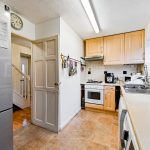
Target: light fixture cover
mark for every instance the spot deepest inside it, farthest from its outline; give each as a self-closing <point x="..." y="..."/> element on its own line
<point x="88" y="9"/>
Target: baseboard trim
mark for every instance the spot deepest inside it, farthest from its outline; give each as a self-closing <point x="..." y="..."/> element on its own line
<point x="69" y="120"/>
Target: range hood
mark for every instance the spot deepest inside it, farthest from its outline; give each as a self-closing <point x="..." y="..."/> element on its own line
<point x="94" y="58"/>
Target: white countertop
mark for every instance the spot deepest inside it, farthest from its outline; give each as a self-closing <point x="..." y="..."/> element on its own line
<point x="138" y="106"/>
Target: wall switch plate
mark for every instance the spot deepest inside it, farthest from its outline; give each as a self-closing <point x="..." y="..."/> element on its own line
<point x="124" y="72"/>
<point x="89" y="72"/>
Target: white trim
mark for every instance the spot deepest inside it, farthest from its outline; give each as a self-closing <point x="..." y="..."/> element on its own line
<point x="67" y="121"/>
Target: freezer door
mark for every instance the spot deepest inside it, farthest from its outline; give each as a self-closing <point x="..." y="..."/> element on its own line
<point x="5" y="62"/>
<point x="6" y="130"/>
<point x="5" y="79"/>
<point x="5" y="99"/>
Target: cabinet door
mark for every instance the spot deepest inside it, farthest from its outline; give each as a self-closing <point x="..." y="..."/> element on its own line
<point x="94" y="47"/>
<point x="109" y="99"/>
<point x="134" y="47"/>
<point x="114" y="50"/>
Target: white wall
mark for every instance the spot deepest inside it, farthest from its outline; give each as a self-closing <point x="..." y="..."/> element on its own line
<point x="97" y="70"/>
<point x="70" y="44"/>
<point x="28" y="30"/>
<point x="38" y="31"/>
<point x="147" y="47"/>
<point x="47" y="29"/>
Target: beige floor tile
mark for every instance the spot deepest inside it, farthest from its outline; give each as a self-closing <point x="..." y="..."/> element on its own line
<point x="87" y="131"/>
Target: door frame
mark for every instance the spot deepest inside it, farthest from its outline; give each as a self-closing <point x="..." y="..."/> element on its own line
<point x="29" y="57"/>
<point x="56" y="38"/>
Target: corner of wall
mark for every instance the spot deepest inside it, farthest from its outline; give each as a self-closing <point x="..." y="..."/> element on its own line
<point x="47" y="29"/>
<point x="70" y="44"/>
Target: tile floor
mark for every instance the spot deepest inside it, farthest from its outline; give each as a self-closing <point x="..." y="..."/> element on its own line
<point x="87" y="131"/>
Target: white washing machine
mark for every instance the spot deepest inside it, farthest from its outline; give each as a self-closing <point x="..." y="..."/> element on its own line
<point x="127" y="139"/>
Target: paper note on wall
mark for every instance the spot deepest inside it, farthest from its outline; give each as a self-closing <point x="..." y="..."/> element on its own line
<point x="3" y="34"/>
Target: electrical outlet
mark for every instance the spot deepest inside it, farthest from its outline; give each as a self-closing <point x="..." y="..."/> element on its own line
<point x="89" y="72"/>
<point x="124" y="72"/>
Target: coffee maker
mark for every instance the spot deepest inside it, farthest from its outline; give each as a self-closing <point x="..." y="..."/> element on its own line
<point x="109" y="77"/>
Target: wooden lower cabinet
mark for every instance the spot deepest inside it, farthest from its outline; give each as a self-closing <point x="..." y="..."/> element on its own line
<point x="109" y="98"/>
<point x="94" y="106"/>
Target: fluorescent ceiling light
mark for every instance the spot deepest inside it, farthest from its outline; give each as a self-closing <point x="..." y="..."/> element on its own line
<point x="88" y="9"/>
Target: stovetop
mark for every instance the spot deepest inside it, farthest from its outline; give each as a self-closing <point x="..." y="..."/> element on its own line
<point x="94" y="81"/>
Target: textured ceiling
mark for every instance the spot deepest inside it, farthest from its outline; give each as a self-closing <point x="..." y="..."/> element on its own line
<point x="114" y="16"/>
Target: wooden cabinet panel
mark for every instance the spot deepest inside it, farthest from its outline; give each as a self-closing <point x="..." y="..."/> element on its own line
<point x="125" y="48"/>
<point x="134" y="47"/>
<point x="94" y="106"/>
<point x="94" y="47"/>
<point x="114" y="49"/>
<point x="109" y="98"/>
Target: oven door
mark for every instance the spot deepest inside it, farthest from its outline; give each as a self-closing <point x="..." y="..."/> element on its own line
<point x="94" y="96"/>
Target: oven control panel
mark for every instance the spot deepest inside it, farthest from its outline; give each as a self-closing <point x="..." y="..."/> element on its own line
<point x="95" y="86"/>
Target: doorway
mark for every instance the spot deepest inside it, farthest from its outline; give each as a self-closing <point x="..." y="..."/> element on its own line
<point x="21" y="72"/>
<point x="25" y="68"/>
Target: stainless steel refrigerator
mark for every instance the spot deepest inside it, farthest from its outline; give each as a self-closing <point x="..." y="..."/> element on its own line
<point x="6" y="130"/>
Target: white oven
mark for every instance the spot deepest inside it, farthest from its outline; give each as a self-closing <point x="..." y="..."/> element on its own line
<point x="94" y="94"/>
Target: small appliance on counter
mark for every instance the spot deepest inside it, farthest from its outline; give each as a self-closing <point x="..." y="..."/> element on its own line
<point x="109" y="77"/>
<point x="94" y="81"/>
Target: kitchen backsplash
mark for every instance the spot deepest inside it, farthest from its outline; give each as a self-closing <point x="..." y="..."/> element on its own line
<point x="97" y="71"/>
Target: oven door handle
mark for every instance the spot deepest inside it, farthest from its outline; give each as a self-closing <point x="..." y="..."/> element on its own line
<point x="93" y="90"/>
<point x="122" y="118"/>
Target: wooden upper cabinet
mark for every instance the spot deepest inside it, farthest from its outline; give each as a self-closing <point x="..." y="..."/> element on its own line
<point x="94" y="47"/>
<point x="134" y="47"/>
<point x="119" y="49"/>
<point x="114" y="49"/>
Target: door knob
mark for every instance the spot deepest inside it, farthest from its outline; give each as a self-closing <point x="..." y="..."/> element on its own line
<point x="57" y="84"/>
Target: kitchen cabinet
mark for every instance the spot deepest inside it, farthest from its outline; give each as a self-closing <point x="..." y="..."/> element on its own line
<point x="109" y="98"/>
<point x="127" y="48"/>
<point x="94" y="47"/>
<point x="93" y="106"/>
<point x="114" y="49"/>
<point x="134" y="47"/>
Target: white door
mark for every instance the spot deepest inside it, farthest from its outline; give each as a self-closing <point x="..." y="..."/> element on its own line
<point x="45" y="84"/>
